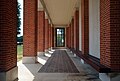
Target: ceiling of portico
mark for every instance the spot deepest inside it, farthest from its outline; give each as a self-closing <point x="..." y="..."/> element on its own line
<point x="60" y="11"/>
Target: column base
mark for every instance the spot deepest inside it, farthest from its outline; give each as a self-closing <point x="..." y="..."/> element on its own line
<point x="68" y="50"/>
<point x="109" y="76"/>
<point x="49" y="49"/>
<point x="46" y="50"/>
<point x="82" y="61"/>
<point x="40" y="53"/>
<point x="11" y="75"/>
<point x="52" y="49"/>
<point x="74" y="55"/>
<point x="29" y="60"/>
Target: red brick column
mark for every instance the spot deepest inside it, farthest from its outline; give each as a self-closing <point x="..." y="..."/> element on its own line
<point x="46" y="33"/>
<point x="30" y="25"/>
<point x="67" y="37"/>
<point x="49" y="36"/>
<point x="8" y="43"/>
<point x="85" y="26"/>
<point x="110" y="34"/>
<point x="41" y="32"/>
<point x="52" y="36"/>
<point x="76" y="30"/>
<point x="72" y="27"/>
<point x="70" y="36"/>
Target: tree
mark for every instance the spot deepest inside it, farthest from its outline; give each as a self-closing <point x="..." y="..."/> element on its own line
<point x="18" y="18"/>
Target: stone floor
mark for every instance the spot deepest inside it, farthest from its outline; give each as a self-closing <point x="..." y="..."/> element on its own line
<point x="29" y="72"/>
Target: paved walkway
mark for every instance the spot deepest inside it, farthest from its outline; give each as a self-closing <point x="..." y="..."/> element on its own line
<point x="29" y="72"/>
<point x="59" y="62"/>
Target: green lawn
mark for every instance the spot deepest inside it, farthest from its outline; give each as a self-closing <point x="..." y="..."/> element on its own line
<point x="19" y="52"/>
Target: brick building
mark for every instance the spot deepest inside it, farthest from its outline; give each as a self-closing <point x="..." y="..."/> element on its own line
<point x="92" y="32"/>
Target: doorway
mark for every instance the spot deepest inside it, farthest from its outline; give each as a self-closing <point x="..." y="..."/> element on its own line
<point x="60" y="37"/>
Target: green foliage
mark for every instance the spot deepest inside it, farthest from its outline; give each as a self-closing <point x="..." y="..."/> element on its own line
<point x="18" y="18"/>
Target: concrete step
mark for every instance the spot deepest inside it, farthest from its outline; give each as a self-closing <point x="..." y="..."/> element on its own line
<point x="42" y="59"/>
<point x="48" y="54"/>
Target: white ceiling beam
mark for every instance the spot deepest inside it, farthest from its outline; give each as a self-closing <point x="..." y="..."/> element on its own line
<point x="44" y="7"/>
<point x="40" y="7"/>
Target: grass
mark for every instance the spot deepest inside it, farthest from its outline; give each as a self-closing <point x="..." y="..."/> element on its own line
<point x="19" y="52"/>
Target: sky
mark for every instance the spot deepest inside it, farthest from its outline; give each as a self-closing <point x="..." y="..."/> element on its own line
<point x="21" y="2"/>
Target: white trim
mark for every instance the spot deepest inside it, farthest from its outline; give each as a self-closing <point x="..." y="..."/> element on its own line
<point x="80" y="28"/>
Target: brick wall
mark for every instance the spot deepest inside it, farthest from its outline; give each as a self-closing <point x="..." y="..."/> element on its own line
<point x="52" y="36"/>
<point x="115" y="34"/>
<point x="70" y="35"/>
<point x="67" y="36"/>
<point x="110" y="33"/>
<point x="29" y="28"/>
<point x="72" y="25"/>
<point x="85" y="26"/>
<point x="41" y="32"/>
<point x="76" y="30"/>
<point x="49" y="35"/>
<point x="46" y="33"/>
<point x="8" y="33"/>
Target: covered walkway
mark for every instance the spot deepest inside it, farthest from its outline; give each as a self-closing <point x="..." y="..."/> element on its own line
<point x="88" y="29"/>
<point x="31" y="72"/>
